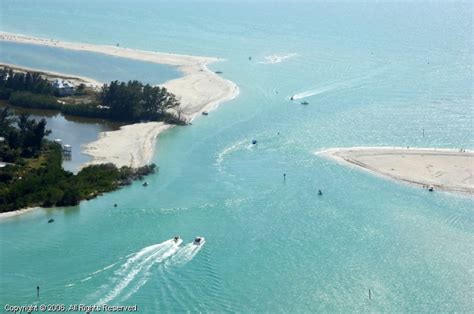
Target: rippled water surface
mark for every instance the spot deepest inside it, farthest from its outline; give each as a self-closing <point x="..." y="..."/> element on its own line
<point x="373" y="74"/>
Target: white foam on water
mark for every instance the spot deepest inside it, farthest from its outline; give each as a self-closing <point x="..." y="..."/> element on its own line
<point x="146" y="273"/>
<point x="105" y="268"/>
<point x="86" y="279"/>
<point x="184" y="255"/>
<point x="228" y="150"/>
<point x="316" y="91"/>
<point x="337" y="85"/>
<point x="272" y="59"/>
<point x="137" y="266"/>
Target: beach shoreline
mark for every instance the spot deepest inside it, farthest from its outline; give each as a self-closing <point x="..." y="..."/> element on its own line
<point x="138" y="139"/>
<point x="442" y="168"/>
<point x="18" y="212"/>
<point x="198" y="90"/>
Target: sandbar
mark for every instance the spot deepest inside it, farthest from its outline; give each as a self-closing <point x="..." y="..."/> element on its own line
<point x="444" y="169"/>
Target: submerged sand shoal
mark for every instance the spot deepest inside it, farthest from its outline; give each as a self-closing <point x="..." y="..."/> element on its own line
<point x="446" y="169"/>
<point x="199" y="89"/>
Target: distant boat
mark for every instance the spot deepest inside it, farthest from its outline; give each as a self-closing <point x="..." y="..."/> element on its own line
<point x="291" y="98"/>
<point x="176" y="239"/>
<point x="205" y="113"/>
<point x="199" y="241"/>
<point x="254" y="142"/>
<point x="51" y="220"/>
<point x="145" y="183"/>
<point x="218" y="72"/>
<point x="305" y="103"/>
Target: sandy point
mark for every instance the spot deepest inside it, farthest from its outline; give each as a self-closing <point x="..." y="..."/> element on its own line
<point x="198" y="90"/>
<point x="444" y="169"/>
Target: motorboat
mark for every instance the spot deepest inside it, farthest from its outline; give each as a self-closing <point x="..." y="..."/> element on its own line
<point x="305" y="103"/>
<point x="254" y="142"/>
<point x="199" y="241"/>
<point x="205" y="113"/>
<point x="145" y="184"/>
<point x="176" y="239"/>
<point x="51" y="220"/>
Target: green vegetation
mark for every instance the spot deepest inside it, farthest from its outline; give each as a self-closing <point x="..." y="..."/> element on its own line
<point x="135" y="101"/>
<point x="11" y="81"/>
<point x="119" y="101"/>
<point x="34" y="175"/>
<point x="30" y="100"/>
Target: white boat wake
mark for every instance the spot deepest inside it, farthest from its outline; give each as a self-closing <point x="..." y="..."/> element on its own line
<point x="272" y="59"/>
<point x="184" y="255"/>
<point x="135" y="272"/>
<point x="338" y="85"/>
<point x="316" y="91"/>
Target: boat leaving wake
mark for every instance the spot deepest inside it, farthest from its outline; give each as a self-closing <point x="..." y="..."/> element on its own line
<point x="338" y="85"/>
<point x="184" y="255"/>
<point x="272" y="59"/>
<point x="135" y="272"/>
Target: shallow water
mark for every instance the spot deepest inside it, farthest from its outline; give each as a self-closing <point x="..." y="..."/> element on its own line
<point x="373" y="74"/>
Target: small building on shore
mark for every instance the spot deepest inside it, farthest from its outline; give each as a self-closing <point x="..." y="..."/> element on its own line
<point x="64" y="88"/>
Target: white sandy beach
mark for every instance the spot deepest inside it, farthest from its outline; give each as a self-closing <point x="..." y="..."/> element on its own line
<point x="199" y="89"/>
<point x="445" y="169"/>
<point x="15" y="213"/>
<point x="131" y="146"/>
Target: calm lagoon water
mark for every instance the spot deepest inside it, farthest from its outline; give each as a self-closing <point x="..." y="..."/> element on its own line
<point x="75" y="131"/>
<point x="97" y="66"/>
<point x="373" y="74"/>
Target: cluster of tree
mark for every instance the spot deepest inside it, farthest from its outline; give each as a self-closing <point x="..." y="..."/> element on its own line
<point x="38" y="179"/>
<point x="11" y="81"/>
<point x="134" y="101"/>
<point x="22" y="136"/>
<point x="130" y="101"/>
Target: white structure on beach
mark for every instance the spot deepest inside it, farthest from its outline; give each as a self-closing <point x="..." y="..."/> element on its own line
<point x="64" y="87"/>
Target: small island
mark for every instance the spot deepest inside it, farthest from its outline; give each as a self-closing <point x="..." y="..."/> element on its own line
<point x="431" y="168"/>
<point x="31" y="173"/>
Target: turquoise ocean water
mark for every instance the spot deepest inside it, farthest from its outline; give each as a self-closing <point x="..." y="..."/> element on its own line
<point x="373" y="74"/>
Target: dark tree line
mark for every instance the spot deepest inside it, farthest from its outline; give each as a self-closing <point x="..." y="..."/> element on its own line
<point x="22" y="136"/>
<point x="130" y="101"/>
<point x="133" y="101"/>
<point x="11" y="81"/>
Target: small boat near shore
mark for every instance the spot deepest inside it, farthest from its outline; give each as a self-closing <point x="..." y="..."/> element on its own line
<point x="305" y="103"/>
<point x="205" y="113"/>
<point x="176" y="239"/>
<point x="51" y="220"/>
